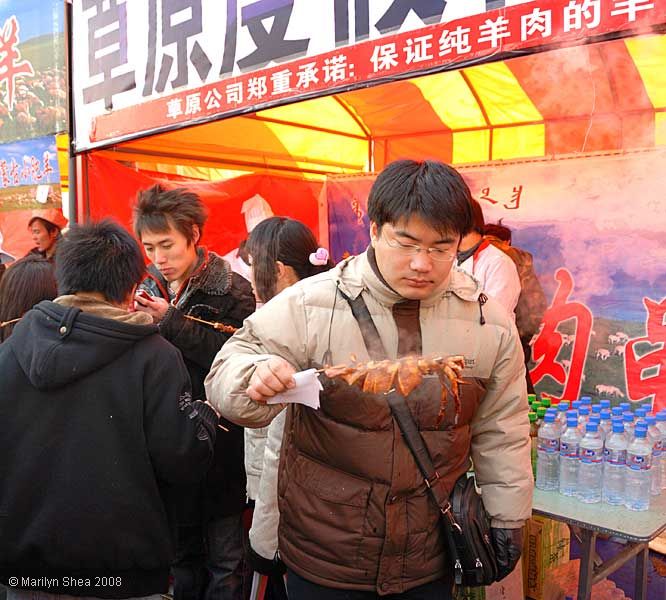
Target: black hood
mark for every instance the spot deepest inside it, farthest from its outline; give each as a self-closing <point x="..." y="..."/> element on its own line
<point x="56" y="345"/>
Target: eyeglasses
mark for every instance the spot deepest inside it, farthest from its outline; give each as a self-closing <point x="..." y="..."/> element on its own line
<point x="437" y="254"/>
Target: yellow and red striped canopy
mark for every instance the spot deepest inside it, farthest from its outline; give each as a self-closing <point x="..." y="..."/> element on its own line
<point x="602" y="97"/>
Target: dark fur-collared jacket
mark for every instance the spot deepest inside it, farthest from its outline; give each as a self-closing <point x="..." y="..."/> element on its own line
<point x="213" y="293"/>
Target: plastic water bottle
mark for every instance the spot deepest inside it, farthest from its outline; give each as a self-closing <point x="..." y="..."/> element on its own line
<point x="640" y="413"/>
<point x="562" y="409"/>
<point x="606" y="424"/>
<point x="591" y="468"/>
<point x="616" y="411"/>
<point x="655" y="437"/>
<point x="615" y="466"/>
<point x="661" y="424"/>
<point x="548" y="454"/>
<point x="637" y="482"/>
<point x="628" y="417"/>
<point x="596" y="409"/>
<point x="569" y="458"/>
<point x="576" y="404"/>
<point x="583" y="417"/>
<point x="605" y="403"/>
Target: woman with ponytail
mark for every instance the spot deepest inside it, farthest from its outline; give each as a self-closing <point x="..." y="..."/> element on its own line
<point x="282" y="251"/>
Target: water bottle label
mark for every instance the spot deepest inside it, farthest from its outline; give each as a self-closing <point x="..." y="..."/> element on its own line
<point x="591" y="455"/>
<point x="568" y="449"/>
<point x="549" y="445"/>
<point x="638" y="462"/>
<point x="615" y="457"/>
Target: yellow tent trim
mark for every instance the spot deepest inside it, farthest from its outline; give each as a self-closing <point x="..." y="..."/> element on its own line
<point x="649" y="56"/>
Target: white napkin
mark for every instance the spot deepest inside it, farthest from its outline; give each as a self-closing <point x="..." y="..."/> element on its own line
<point x="306" y="391"/>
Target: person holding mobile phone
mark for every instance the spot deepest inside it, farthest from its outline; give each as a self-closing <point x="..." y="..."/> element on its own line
<point x="186" y="279"/>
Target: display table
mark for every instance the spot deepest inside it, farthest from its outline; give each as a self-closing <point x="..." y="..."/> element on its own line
<point x="638" y="528"/>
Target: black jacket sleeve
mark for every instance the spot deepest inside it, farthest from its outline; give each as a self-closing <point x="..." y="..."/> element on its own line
<point x="179" y="433"/>
<point x="200" y="343"/>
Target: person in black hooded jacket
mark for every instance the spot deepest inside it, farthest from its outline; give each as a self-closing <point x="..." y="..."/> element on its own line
<point x="97" y="417"/>
<point x="190" y="291"/>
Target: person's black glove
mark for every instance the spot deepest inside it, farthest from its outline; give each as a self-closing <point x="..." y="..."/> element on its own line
<point x="508" y="545"/>
<point x="265" y="566"/>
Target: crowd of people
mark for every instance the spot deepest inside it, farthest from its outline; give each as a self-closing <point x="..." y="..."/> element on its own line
<point x="134" y="397"/>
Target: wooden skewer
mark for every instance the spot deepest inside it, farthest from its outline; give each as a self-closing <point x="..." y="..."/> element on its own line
<point x="5" y="323"/>
<point x="219" y="326"/>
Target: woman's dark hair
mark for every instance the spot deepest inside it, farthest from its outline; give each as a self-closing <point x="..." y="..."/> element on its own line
<point x="99" y="257"/>
<point x="157" y="208"/>
<point x="498" y="230"/>
<point x="287" y="240"/>
<point x="428" y="189"/>
<point x="26" y="282"/>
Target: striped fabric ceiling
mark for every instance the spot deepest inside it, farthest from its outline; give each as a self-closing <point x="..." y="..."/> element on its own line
<point x="601" y="97"/>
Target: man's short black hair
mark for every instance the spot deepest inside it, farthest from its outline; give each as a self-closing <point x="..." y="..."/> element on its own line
<point x="158" y="208"/>
<point x="478" y="221"/>
<point x="99" y="257"/>
<point x="431" y="190"/>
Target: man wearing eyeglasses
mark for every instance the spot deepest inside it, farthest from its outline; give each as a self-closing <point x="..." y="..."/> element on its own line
<point x="356" y="520"/>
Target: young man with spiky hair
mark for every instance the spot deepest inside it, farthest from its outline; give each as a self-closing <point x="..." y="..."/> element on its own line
<point x="97" y="417"/>
<point x="191" y="290"/>
<point x="356" y="521"/>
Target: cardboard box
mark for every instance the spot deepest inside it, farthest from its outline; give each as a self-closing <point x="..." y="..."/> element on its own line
<point x="547" y="545"/>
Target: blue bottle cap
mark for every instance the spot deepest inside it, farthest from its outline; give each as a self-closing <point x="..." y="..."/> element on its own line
<point x="549" y="417"/>
<point x="618" y="420"/>
<point x="592" y="427"/>
<point x="651" y="421"/>
<point x="617" y="411"/>
<point x="628" y="416"/>
<point x="574" y="413"/>
<point x="640" y="413"/>
<point x="586" y="399"/>
<point x="572" y="421"/>
<point x="641" y="425"/>
<point x="618" y="427"/>
<point x="605" y="403"/>
<point x="640" y="432"/>
<point x="605" y="414"/>
<point x="584" y="410"/>
<point x="563" y="407"/>
<point x="576" y="404"/>
<point x="625" y="405"/>
<point x="596" y="409"/>
<point x="661" y="416"/>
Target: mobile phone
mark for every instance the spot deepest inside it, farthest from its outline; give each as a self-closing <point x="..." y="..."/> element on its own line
<point x="144" y="295"/>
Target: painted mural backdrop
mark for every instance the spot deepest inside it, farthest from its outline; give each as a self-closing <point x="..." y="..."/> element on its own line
<point x="597" y="230"/>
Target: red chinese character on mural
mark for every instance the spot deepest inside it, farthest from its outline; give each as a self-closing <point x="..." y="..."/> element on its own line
<point x="47" y="164"/>
<point x="639" y="386"/>
<point x="10" y="65"/>
<point x="485" y="195"/>
<point x="514" y="203"/>
<point x="4" y="175"/>
<point x="14" y="172"/>
<point x="35" y="169"/>
<point x="549" y="341"/>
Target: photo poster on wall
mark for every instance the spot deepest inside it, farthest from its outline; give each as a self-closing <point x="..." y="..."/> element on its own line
<point x="596" y="229"/>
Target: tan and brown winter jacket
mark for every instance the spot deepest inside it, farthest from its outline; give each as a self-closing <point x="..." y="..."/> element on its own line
<point x="354" y="510"/>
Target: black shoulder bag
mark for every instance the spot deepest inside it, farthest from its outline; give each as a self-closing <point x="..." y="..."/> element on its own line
<point x="464" y="518"/>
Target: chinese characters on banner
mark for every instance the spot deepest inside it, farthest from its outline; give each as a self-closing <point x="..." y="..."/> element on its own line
<point x="192" y="59"/>
<point x="27" y="163"/>
<point x="11" y="64"/>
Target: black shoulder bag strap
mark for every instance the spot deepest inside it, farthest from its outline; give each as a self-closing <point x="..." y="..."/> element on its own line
<point x="409" y="430"/>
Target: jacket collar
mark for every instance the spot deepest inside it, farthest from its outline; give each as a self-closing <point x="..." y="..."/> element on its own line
<point x="94" y="305"/>
<point x="212" y="276"/>
<point x="355" y="275"/>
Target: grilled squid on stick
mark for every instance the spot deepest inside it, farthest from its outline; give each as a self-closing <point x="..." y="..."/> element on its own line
<point x="404" y="375"/>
